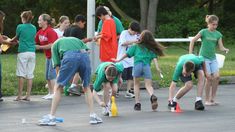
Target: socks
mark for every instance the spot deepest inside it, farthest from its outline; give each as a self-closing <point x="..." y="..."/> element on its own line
<point x="175" y="99"/>
<point x="198" y="98"/>
<point x="73" y="85"/>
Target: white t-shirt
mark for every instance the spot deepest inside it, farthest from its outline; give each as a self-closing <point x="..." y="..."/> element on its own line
<point x="59" y="33"/>
<point x="124" y="37"/>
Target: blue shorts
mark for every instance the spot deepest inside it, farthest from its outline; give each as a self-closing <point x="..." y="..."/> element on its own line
<point x="142" y="70"/>
<point x="211" y="66"/>
<point x="73" y="62"/>
<point x="50" y="71"/>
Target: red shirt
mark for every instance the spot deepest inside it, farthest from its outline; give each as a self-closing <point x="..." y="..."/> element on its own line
<point x="45" y="37"/>
<point x="108" y="41"/>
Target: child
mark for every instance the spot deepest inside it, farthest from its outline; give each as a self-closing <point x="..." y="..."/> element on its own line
<point x="69" y="57"/>
<point x="185" y="66"/>
<point x="144" y="52"/>
<point x="45" y="37"/>
<point x="63" y="24"/>
<point x="25" y="33"/>
<point x="107" y="76"/>
<point x="210" y="38"/>
<point x="107" y="36"/>
<point x="127" y="38"/>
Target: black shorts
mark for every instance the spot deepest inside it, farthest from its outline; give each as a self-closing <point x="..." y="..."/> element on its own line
<point x="127" y="73"/>
<point x="189" y="78"/>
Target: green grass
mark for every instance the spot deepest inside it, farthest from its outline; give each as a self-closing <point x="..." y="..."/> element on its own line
<point x="10" y="81"/>
<point x="166" y="63"/>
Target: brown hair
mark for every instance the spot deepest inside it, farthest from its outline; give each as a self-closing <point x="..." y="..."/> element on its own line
<point x="211" y="18"/>
<point x="189" y="66"/>
<point x="148" y="41"/>
<point x="2" y="15"/>
<point x="27" y="15"/>
<point x="46" y="17"/>
<point x="111" y="71"/>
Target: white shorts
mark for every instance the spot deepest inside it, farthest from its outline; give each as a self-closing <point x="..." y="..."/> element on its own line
<point x="25" y="65"/>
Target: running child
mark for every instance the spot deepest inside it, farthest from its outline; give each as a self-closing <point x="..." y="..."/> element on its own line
<point x="146" y="50"/>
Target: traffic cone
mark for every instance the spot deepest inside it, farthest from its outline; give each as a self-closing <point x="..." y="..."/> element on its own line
<point x="177" y="109"/>
<point x="114" y="110"/>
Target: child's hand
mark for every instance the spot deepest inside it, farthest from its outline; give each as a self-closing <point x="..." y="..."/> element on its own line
<point x="161" y="75"/>
<point x="38" y="47"/>
<point x="114" y="60"/>
<point x="226" y="50"/>
<point x="102" y="104"/>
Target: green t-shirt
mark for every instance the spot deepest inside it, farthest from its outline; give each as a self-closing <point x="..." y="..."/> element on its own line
<point x="209" y="43"/>
<point x="118" y="23"/>
<point x="100" y="74"/>
<point x="197" y="60"/>
<point x="26" y="33"/>
<point x="141" y="54"/>
<point x="64" y="44"/>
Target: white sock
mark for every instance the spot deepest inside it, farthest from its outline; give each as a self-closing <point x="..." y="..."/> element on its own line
<point x="92" y="114"/>
<point x="175" y="99"/>
<point x="73" y="85"/>
<point x="198" y="98"/>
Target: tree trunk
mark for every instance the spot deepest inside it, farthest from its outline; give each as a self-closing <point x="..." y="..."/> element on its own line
<point x="152" y="15"/>
<point x="143" y="14"/>
<point x="211" y="6"/>
<point x="119" y="11"/>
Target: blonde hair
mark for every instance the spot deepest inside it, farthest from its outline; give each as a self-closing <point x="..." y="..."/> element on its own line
<point x="108" y="10"/>
<point x="27" y="15"/>
<point x="61" y="20"/>
<point x="211" y="18"/>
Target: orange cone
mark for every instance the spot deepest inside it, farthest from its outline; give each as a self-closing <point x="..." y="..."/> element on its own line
<point x="177" y="109"/>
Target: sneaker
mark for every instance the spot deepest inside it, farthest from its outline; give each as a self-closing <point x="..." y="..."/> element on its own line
<point x="49" y="97"/>
<point x="199" y="105"/>
<point x="74" y="90"/>
<point x="94" y="119"/>
<point x="172" y="106"/>
<point x="137" y="107"/>
<point x="106" y="111"/>
<point x="154" y="103"/>
<point x="47" y="120"/>
<point x="44" y="97"/>
<point x="129" y="94"/>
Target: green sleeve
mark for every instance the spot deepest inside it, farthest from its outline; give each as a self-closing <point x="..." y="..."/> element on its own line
<point x="18" y="31"/>
<point x="100" y="77"/>
<point x="177" y="73"/>
<point x="55" y="54"/>
<point x="202" y="32"/>
<point x="99" y="26"/>
<point x="131" y="51"/>
<point x="119" y="27"/>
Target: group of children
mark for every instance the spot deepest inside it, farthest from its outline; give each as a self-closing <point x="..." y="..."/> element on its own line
<point x="125" y="55"/>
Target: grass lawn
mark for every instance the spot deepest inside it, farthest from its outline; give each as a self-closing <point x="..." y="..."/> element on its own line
<point x="167" y="64"/>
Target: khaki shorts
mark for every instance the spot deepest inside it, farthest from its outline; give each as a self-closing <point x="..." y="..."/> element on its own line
<point x="25" y="65"/>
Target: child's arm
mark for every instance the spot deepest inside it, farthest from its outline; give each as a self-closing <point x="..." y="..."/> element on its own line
<point x="129" y="43"/>
<point x="191" y="45"/>
<point x="44" y="47"/>
<point x="221" y="46"/>
<point x="118" y="60"/>
<point x="97" y="99"/>
<point x="157" y="66"/>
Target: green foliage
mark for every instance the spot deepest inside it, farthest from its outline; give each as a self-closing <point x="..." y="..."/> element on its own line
<point x="181" y="23"/>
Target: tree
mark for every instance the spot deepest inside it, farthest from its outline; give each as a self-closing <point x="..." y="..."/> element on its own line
<point x="148" y="13"/>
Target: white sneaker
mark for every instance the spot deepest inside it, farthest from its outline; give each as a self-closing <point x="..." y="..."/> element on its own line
<point x="44" y="97"/>
<point x="94" y="119"/>
<point x="129" y="94"/>
<point x="47" y="120"/>
<point x="106" y="111"/>
<point x="49" y="97"/>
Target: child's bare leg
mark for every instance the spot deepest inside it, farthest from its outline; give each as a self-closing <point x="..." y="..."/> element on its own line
<point x="208" y="87"/>
<point x="29" y="87"/>
<point x="51" y="87"/>
<point x="137" y="89"/>
<point x="56" y="99"/>
<point x="20" y="88"/>
<point x="182" y="91"/>
<point x="215" y="83"/>
<point x="89" y="99"/>
<point x="107" y="87"/>
<point x="148" y="85"/>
